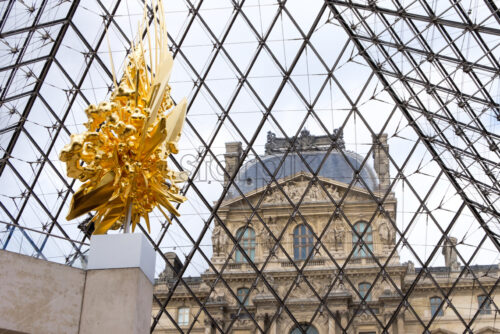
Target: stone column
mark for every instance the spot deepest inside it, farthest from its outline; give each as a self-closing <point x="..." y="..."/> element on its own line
<point x="391" y="328"/>
<point x="275" y="326"/>
<point x="261" y="322"/>
<point x="208" y="326"/>
<point x="401" y="324"/>
<point x="220" y="322"/>
<point x="344" y="319"/>
<point x="332" y="326"/>
<point x="118" y="293"/>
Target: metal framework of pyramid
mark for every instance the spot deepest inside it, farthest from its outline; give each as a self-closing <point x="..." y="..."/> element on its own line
<point x="425" y="72"/>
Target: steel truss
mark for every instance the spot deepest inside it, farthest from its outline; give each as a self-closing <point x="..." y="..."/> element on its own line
<point x="446" y="97"/>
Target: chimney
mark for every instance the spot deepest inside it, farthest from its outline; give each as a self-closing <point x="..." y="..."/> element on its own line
<point x="381" y="161"/>
<point x="171" y="272"/>
<point x="232" y="158"/>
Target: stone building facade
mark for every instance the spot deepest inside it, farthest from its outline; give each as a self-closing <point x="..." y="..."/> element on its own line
<point x="340" y="270"/>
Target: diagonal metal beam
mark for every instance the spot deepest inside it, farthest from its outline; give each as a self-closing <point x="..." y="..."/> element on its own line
<point x="41" y="78"/>
<point x="411" y="120"/>
<point x="33" y="28"/>
<point x="422" y="18"/>
<point x="494" y="9"/>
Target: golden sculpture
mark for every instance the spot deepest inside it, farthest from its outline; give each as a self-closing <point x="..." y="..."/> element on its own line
<point x="122" y="157"/>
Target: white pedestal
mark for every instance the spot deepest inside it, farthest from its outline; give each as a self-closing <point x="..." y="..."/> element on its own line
<point x="118" y="291"/>
<point x="114" y="251"/>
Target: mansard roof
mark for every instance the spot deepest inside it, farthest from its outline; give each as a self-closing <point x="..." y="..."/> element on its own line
<point x="309" y="151"/>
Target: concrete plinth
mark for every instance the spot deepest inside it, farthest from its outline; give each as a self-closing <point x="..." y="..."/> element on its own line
<point x="118" y="291"/>
<point x="38" y="296"/>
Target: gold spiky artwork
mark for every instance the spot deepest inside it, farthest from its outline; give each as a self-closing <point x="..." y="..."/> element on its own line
<point x="122" y="157"/>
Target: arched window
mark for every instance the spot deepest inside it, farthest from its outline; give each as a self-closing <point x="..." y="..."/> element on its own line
<point x="247" y="242"/>
<point x="242" y="294"/>
<point x="435" y="306"/>
<point x="302" y="242"/>
<point x="361" y="250"/>
<point x="363" y="291"/>
<point x="486" y="307"/>
<point x="309" y="329"/>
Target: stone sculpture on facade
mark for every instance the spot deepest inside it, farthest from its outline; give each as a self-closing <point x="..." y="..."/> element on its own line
<point x="304" y="142"/>
<point x="450" y="254"/>
<point x="266" y="239"/>
<point x="387" y="234"/>
<point x="218" y="241"/>
<point x="335" y="236"/>
<point x="339" y="235"/>
<point x="295" y="191"/>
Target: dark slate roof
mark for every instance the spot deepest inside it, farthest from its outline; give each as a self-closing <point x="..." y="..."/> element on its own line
<point x="253" y="176"/>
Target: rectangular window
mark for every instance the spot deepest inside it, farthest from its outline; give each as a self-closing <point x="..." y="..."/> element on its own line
<point x="483" y="308"/>
<point x="361" y="249"/>
<point x="247" y="242"/>
<point x="183" y="316"/>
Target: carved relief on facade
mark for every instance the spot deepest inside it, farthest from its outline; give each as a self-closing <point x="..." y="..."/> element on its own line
<point x="323" y="318"/>
<point x="301" y="290"/>
<point x="244" y="323"/>
<point x="384" y="287"/>
<point x="295" y="190"/>
<point x="262" y="288"/>
<point x="320" y="285"/>
<point x="266" y="240"/>
<point x="338" y="284"/>
<point x="364" y="318"/>
<point x="218" y="294"/>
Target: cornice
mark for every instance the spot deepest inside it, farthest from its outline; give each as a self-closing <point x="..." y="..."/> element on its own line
<point x="318" y="272"/>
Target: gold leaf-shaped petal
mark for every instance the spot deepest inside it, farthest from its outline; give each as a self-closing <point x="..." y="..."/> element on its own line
<point x="82" y="202"/>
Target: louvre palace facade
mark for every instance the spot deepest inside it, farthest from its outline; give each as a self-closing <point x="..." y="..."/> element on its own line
<point x="350" y="277"/>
